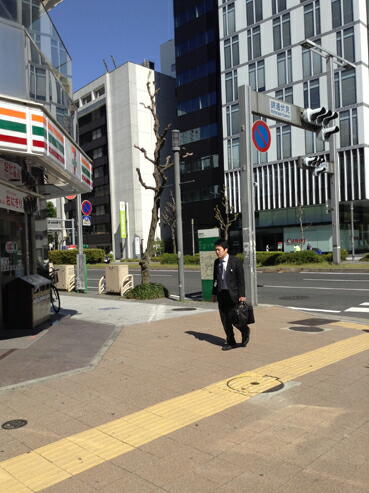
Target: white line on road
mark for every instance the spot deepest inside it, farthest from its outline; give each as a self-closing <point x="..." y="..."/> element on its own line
<point x="336" y="280"/>
<point x="335" y="273"/>
<point x="357" y="309"/>
<point x="313" y="309"/>
<point x="314" y="287"/>
<point x="364" y="304"/>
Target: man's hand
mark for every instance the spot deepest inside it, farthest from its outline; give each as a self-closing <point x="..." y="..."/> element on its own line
<point x="242" y="298"/>
<point x="213" y="298"/>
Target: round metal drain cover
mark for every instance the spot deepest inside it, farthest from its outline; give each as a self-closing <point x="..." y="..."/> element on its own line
<point x="183" y="309"/>
<point x="293" y="297"/>
<point x="13" y="424"/>
<point x="307" y="329"/>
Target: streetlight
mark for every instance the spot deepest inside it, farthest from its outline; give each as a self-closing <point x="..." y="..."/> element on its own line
<point x="331" y="58"/>
<point x="176" y="149"/>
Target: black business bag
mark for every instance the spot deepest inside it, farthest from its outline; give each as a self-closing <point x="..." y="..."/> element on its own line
<point x="243" y="315"/>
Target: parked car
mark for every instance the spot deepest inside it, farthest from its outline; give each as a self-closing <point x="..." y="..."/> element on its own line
<point x="318" y="251"/>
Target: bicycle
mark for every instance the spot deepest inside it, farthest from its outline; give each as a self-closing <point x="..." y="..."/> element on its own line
<point x="54" y="292"/>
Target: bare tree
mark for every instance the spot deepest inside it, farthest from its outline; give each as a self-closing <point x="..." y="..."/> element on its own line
<point x="224" y="214"/>
<point x="303" y="226"/>
<point x="160" y="166"/>
<point x="168" y="217"/>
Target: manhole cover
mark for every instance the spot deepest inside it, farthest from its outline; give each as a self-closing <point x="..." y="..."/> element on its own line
<point x="293" y="297"/>
<point x="13" y="424"/>
<point x="251" y="384"/>
<point x="313" y="321"/>
<point x="183" y="309"/>
<point x="307" y="329"/>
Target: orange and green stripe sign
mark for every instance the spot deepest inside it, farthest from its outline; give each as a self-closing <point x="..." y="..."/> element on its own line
<point x="55" y="140"/>
<point x="13" y="128"/>
<point x="86" y="171"/>
<point x="38" y="132"/>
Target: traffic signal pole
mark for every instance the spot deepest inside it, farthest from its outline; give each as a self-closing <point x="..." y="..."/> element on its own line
<point x="335" y="176"/>
<point x="247" y="196"/>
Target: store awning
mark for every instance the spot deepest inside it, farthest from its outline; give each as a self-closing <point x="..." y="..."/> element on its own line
<point x="27" y="129"/>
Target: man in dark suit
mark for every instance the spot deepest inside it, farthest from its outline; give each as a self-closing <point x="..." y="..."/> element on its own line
<point x="228" y="289"/>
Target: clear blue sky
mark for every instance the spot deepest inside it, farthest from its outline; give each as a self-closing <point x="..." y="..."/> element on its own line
<point x="92" y="30"/>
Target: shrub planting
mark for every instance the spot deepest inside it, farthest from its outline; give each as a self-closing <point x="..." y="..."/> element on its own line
<point x="147" y="292"/>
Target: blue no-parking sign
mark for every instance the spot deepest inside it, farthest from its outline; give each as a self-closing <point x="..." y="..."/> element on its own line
<point x="261" y="136"/>
<point x="86" y="207"/>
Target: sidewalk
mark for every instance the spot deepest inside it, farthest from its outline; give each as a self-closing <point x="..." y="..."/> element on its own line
<point x="157" y="406"/>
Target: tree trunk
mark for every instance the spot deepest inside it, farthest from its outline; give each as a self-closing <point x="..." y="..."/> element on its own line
<point x="146" y="257"/>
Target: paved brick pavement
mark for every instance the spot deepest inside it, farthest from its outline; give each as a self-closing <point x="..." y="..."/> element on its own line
<point x="166" y="427"/>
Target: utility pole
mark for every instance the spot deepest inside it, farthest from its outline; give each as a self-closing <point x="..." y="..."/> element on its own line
<point x="352" y="230"/>
<point x="193" y="235"/>
<point x="177" y="177"/>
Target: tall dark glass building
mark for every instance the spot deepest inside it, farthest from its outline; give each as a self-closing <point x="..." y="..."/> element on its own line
<point x="199" y="112"/>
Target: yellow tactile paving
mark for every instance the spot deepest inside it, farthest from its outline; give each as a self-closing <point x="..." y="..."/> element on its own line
<point x="349" y="325"/>
<point x="64" y="458"/>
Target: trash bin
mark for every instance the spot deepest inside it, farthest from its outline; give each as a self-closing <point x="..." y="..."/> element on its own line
<point x="27" y="302"/>
<point x="115" y="275"/>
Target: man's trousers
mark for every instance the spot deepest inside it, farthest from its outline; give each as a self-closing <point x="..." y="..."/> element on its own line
<point x="226" y="312"/>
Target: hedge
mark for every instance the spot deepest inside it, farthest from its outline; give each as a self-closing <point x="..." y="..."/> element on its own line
<point x="297" y="258"/>
<point x="172" y="258"/>
<point x="69" y="257"/>
<point x="147" y="292"/>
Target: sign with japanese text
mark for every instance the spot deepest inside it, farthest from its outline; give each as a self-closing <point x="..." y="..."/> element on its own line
<point x="280" y="109"/>
<point x="123" y="220"/>
<point x="11" y="200"/>
<point x="10" y="171"/>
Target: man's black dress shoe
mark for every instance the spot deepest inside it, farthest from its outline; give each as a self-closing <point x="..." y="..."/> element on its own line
<point x="227" y="347"/>
<point x="245" y="339"/>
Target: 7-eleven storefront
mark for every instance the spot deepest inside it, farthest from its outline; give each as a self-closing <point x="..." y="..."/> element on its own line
<point x="38" y="161"/>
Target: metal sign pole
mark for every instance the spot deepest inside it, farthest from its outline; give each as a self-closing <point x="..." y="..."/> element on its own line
<point x="73" y="232"/>
<point x="81" y="284"/>
<point x="247" y="195"/>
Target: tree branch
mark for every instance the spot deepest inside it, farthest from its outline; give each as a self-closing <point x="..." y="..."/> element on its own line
<point x="144" y="152"/>
<point x="143" y="183"/>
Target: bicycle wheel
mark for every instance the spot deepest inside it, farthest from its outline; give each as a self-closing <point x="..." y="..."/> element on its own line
<point x="55" y="299"/>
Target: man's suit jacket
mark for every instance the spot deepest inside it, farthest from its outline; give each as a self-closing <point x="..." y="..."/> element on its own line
<point x="234" y="277"/>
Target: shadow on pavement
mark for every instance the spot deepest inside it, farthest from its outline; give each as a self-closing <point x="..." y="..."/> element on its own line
<point x="201" y="336"/>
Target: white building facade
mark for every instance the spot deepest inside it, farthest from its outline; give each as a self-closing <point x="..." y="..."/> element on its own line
<point x="260" y="46"/>
<point x="112" y="121"/>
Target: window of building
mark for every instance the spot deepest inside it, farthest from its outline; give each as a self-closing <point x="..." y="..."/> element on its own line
<point x="285" y="94"/>
<point x="199" y="164"/>
<point x="197" y="104"/>
<point x="254" y="11"/>
<point x="37" y="83"/>
<point x="233" y="153"/>
<point x="312" y="19"/>
<point x="194" y="12"/>
<point x="311" y="62"/>
<point x="281" y="31"/>
<point x="231" y="52"/>
<point x="348" y="128"/>
<point x="284" y="67"/>
<point x="284" y="148"/>
<point x="208" y="192"/>
<point x="233" y="119"/>
<point x="342" y="12"/>
<point x="254" y="42"/>
<point x="101" y="191"/>
<point x="312" y="143"/>
<point x="229" y="19"/>
<point x="96" y="153"/>
<point x="100" y="210"/>
<point x="86" y="99"/>
<point x="199" y="133"/>
<point x="76" y="103"/>
<point x="346" y="44"/>
<point x="257" y="76"/>
<point x="345" y="88"/>
<point x="278" y="6"/>
<point x="311" y="94"/>
<point x="99" y="172"/>
<point x="96" y="134"/>
<point x="231" y="86"/>
<point x="99" y="92"/>
<point x="196" y="73"/>
<point x="191" y="44"/>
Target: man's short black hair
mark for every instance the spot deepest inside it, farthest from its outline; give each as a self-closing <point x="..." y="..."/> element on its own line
<point x="223" y="243"/>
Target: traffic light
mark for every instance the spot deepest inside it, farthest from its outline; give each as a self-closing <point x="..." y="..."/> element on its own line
<point x="316" y="164"/>
<point x="318" y="120"/>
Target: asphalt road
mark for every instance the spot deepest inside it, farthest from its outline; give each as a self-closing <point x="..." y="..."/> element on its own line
<point x="330" y="292"/>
